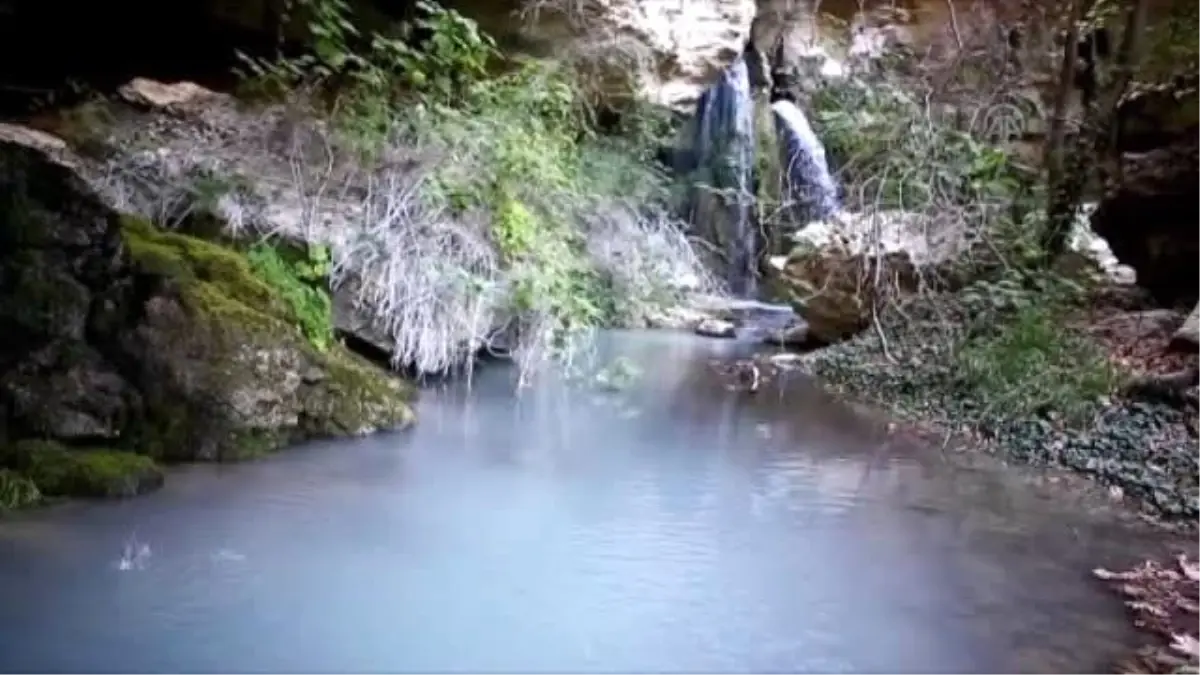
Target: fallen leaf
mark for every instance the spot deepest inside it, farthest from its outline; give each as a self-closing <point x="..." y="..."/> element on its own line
<point x="1191" y="570"/>
<point x="1187" y="645"/>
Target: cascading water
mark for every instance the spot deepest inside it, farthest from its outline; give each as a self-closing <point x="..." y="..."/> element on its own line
<point x="723" y="159"/>
<point x="808" y="183"/>
<point x="721" y="162"/>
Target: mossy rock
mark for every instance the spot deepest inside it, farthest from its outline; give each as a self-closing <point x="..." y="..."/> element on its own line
<point x="228" y="370"/>
<point x="17" y="491"/>
<point x="59" y="471"/>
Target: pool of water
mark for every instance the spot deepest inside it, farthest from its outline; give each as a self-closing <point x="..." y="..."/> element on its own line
<point x="671" y="526"/>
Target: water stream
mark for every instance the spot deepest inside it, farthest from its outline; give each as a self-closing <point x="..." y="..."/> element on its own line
<point x="721" y="156"/>
<point x="675" y="526"/>
<point x="722" y="153"/>
<point x="807" y="179"/>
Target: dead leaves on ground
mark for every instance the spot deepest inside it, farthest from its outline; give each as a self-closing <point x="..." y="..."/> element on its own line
<point x="1165" y="602"/>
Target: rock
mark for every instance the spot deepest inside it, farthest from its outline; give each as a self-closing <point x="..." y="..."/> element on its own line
<point x="47" y="143"/>
<point x="1150" y="219"/>
<point x="1089" y="253"/>
<point x="59" y="471"/>
<point x="676" y="49"/>
<point x="1187" y="338"/>
<point x="153" y="342"/>
<point x="231" y="375"/>
<point x="793" y="335"/>
<point x="677" y="318"/>
<point x="842" y="268"/>
<point x="716" y="328"/>
<point x="164" y="96"/>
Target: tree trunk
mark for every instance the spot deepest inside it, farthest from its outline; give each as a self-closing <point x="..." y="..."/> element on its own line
<point x="1108" y="138"/>
<point x="1064" y="195"/>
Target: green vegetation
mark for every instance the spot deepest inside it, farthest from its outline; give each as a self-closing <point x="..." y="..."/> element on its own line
<point x="17" y="491"/>
<point x="57" y="471"/>
<point x="302" y="284"/>
<point x="894" y="155"/>
<point x="245" y="312"/>
<point x="516" y="161"/>
<point x="1025" y="362"/>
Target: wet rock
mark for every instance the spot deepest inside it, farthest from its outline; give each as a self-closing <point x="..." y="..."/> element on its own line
<point x="677" y="318"/>
<point x="1150" y="218"/>
<point x="716" y="328"/>
<point x="59" y="471"/>
<point x="1187" y="338"/>
<point x="154" y="342"/>
<point x="793" y="335"/>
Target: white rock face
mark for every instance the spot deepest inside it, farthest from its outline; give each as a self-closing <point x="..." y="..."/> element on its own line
<point x="687" y="42"/>
<point x="697" y="37"/>
<point x="677" y="47"/>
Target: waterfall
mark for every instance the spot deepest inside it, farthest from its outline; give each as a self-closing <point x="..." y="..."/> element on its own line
<point x="807" y="181"/>
<point x="723" y="158"/>
<point x="720" y="159"/>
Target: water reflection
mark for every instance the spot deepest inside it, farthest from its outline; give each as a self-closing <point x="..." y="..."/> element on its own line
<point x="555" y="531"/>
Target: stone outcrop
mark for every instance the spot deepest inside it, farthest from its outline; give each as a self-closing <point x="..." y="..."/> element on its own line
<point x="676" y="48"/>
<point x="121" y="338"/>
<point x="841" y="270"/>
<point x="1150" y="219"/>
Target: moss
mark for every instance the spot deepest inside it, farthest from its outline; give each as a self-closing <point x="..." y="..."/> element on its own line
<point x="162" y="434"/>
<point x="250" y="444"/>
<point x="17" y="491"/>
<point x="58" y="471"/>
<point x="356" y="398"/>
<point x="302" y="285"/>
<point x="195" y="261"/>
<point x="240" y="321"/>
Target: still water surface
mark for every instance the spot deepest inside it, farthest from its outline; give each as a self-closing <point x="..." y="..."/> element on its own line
<point x="674" y="526"/>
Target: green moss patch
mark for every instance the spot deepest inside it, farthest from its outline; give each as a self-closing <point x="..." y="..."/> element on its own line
<point x="17" y="491"/>
<point x="58" y="471"/>
<point x="259" y="330"/>
<point x="356" y="395"/>
<point x="211" y="271"/>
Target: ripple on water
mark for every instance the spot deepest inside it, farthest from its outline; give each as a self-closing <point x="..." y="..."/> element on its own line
<point x="548" y="533"/>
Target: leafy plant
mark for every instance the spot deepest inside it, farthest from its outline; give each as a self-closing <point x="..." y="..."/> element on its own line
<point x="893" y="155"/>
<point x="518" y="151"/>
<point x="301" y="285"/>
<point x="1033" y="367"/>
<point x="17" y="491"/>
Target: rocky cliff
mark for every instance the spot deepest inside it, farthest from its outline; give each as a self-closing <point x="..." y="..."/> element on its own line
<point x="149" y="345"/>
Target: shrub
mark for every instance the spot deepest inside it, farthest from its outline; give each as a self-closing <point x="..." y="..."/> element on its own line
<point x="17" y="491"/>
<point x="488" y="201"/>
<point x="302" y="284"/>
<point x="1018" y="357"/>
<point x="892" y="152"/>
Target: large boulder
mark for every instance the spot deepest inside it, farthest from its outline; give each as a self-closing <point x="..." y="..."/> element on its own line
<point x="1150" y="217"/>
<point x="842" y="269"/>
<point x="123" y="336"/>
